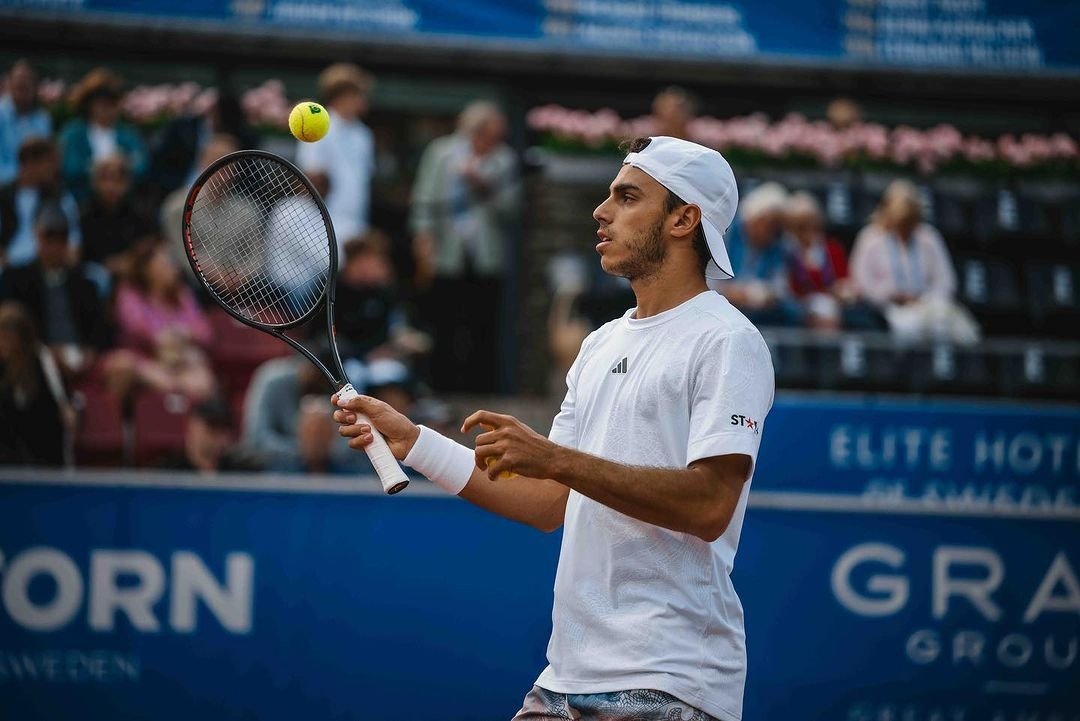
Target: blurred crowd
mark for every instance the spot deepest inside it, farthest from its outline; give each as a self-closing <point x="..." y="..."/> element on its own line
<point x="789" y="272"/>
<point x="110" y="352"/>
<point x="109" y="349"/>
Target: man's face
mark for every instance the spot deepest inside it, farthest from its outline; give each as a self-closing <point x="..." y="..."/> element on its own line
<point x="104" y="111"/>
<point x="52" y="248"/>
<point x="111" y="183"/>
<point x="489" y="136"/>
<point x="761" y="229"/>
<point x="22" y="85"/>
<point x="805" y="227"/>
<point x="351" y="104"/>
<point x="670" y="114"/>
<point x="368" y="268"/>
<point x="40" y="172"/>
<point x="632" y="225"/>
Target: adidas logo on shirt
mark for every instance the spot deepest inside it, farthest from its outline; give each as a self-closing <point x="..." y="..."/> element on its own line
<point x="620" y="367"/>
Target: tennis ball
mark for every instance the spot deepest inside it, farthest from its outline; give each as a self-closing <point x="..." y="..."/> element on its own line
<point x="309" y="121"/>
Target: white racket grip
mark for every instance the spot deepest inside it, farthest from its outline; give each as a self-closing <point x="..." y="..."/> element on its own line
<point x="392" y="477"/>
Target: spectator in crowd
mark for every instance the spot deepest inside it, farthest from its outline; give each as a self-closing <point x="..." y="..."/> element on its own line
<point x="466" y="198"/>
<point x="180" y="150"/>
<point x="901" y="266"/>
<point x="755" y="245"/>
<point x="36" y="420"/>
<point x="111" y="224"/>
<point x="62" y="301"/>
<point x="567" y="323"/>
<point x="345" y="158"/>
<point x="36" y="185"/>
<point x="210" y="444"/>
<point x="286" y="423"/>
<point x="673" y="109"/>
<point x="390" y="381"/>
<point x="20" y="117"/>
<point x="172" y="208"/>
<point x="162" y="331"/>
<point x="370" y="317"/>
<point x="843" y="113"/>
<point x="818" y="271"/>
<point x="98" y="132"/>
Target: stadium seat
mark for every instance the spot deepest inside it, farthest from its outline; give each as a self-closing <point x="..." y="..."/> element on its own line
<point x="160" y="423"/>
<point x="991" y="289"/>
<point x="238" y="350"/>
<point x="1040" y="370"/>
<point x="1053" y="297"/>
<point x="100" y="439"/>
<point x="948" y="369"/>
<point x="956" y="202"/>
<point x="794" y="362"/>
<point x="1045" y="207"/>
<point x="860" y="362"/>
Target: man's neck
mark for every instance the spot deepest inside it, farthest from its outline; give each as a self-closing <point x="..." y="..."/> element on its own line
<point x="664" y="290"/>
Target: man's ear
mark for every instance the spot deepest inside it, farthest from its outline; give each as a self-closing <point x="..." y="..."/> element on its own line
<point x="685" y="220"/>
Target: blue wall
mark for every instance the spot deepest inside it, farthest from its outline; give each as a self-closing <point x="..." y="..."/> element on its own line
<point x="867" y="596"/>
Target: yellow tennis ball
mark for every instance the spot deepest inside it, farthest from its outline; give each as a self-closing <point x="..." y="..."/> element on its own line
<point x="309" y="121"/>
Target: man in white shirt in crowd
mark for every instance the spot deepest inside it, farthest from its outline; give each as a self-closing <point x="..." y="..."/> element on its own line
<point x="345" y="158"/>
<point x="647" y="465"/>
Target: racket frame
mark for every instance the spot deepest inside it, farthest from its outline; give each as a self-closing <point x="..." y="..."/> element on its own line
<point x="326" y="297"/>
<point x="390" y="474"/>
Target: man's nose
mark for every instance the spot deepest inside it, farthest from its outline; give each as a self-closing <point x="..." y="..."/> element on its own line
<point x="601" y="214"/>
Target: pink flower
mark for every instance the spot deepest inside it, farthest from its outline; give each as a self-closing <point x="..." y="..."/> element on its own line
<point x="795" y="135"/>
<point x="51" y="92"/>
<point x="1064" y="146"/>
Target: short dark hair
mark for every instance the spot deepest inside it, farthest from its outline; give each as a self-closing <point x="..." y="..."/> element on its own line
<point x="674" y="202"/>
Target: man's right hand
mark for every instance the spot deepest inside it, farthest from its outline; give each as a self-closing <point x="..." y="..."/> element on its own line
<point x="400" y="433"/>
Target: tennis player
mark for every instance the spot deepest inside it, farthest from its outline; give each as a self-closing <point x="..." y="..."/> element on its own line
<point x="647" y="466"/>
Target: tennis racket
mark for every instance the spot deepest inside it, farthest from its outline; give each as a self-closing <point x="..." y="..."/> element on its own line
<point x="260" y="241"/>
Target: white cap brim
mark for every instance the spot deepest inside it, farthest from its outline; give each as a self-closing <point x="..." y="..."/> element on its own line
<point x="719" y="268"/>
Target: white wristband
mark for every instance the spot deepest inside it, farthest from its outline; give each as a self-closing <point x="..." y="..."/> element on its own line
<point x="446" y="463"/>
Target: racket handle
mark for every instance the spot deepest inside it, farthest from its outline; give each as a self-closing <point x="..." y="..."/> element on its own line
<point x="392" y="477"/>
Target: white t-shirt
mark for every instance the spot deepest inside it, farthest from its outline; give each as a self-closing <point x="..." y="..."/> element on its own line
<point x="102" y="142"/>
<point x="636" y="605"/>
<point x="347" y="156"/>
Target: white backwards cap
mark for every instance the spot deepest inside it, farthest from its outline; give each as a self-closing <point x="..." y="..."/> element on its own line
<point x="700" y="176"/>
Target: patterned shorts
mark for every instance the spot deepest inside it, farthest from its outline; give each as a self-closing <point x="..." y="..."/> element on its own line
<point x="637" y="705"/>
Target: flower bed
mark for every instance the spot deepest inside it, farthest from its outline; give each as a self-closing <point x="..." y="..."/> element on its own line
<point x="266" y="106"/>
<point x="796" y="142"/>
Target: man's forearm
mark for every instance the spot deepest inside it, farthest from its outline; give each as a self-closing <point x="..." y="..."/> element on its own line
<point x="687" y="500"/>
<point x="538" y="502"/>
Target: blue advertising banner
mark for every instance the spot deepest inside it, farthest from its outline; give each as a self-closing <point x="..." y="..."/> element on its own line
<point x="867" y="616"/>
<point x="133" y="596"/>
<point x="1022" y="35"/>
<point x="984" y="456"/>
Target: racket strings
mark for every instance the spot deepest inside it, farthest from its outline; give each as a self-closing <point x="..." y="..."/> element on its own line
<point x="260" y="240"/>
<point x="277" y="253"/>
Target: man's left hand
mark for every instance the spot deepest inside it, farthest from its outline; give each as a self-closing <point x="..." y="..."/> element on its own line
<point x="509" y="446"/>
